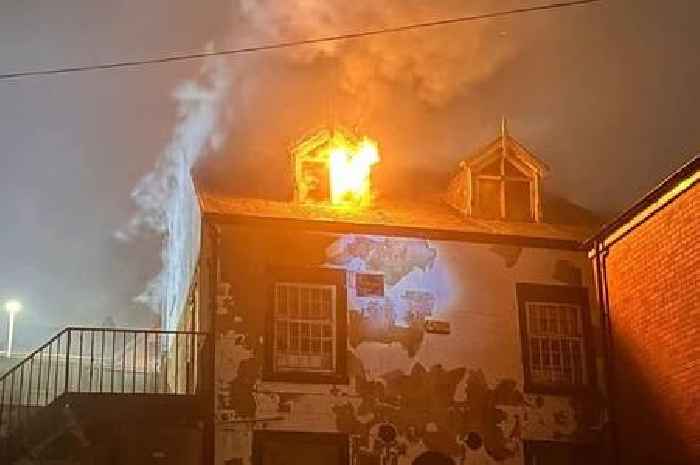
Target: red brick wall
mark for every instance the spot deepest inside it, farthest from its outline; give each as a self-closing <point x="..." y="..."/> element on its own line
<point x="654" y="291"/>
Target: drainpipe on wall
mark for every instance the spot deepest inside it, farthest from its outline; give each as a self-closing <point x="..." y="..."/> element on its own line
<point x="601" y="252"/>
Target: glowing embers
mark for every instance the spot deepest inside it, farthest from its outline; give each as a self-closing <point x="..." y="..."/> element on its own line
<point x="335" y="166"/>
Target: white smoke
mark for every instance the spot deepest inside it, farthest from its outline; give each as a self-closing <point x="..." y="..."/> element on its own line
<point x="437" y="65"/>
<point x="166" y="198"/>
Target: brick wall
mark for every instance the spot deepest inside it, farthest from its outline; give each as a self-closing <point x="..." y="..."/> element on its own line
<point x="654" y="290"/>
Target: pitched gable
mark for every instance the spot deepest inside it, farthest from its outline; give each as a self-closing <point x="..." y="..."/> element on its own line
<point x="502" y="180"/>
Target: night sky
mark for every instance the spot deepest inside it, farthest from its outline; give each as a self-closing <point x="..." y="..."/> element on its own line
<point x="606" y="94"/>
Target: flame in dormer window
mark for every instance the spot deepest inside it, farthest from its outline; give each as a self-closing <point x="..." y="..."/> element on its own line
<point x="350" y="170"/>
<point x="335" y="166"/>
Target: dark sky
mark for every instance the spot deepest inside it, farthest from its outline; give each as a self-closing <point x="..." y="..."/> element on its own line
<point x="606" y="94"/>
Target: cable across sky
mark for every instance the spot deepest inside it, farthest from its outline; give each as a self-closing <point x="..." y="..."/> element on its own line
<point x="296" y="43"/>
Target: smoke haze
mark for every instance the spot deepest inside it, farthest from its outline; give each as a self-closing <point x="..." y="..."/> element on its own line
<point x="601" y="93"/>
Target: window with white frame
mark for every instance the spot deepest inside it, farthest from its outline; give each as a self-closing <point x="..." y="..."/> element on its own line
<point x="555" y="342"/>
<point x="304" y="328"/>
<point x="503" y="191"/>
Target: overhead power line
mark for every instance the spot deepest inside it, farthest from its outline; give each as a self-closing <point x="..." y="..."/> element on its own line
<point x="296" y="43"/>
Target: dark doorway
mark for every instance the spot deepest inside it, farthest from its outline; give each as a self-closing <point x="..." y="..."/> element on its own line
<point x="433" y="458"/>
<point x="292" y="448"/>
<point x="560" y="453"/>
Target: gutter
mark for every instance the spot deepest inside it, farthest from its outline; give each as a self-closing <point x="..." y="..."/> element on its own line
<point x="601" y="280"/>
<point x="664" y="193"/>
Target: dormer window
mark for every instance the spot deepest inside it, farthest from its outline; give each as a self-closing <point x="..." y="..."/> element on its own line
<point x="334" y="166"/>
<point x="500" y="182"/>
<point x="503" y="191"/>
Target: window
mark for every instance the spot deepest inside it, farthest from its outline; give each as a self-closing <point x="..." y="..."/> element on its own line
<point x="554" y="324"/>
<point x="306" y="337"/>
<point x="315" y="181"/>
<point x="503" y="191"/>
<point x="304" y="328"/>
<point x="555" y="340"/>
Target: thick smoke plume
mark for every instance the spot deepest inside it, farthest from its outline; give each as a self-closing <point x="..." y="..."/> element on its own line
<point x="437" y="64"/>
<point x="282" y="94"/>
<point x="165" y="196"/>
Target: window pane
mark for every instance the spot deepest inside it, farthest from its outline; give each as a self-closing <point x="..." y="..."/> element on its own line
<point x="304" y="303"/>
<point x="316" y="182"/>
<point x="281" y="300"/>
<point x="578" y="365"/>
<point x="303" y="329"/>
<point x="554" y="319"/>
<point x="293" y="294"/>
<point x="281" y="335"/>
<point x="492" y="169"/>
<point x="546" y="356"/>
<point x="327" y="346"/>
<point x="556" y="355"/>
<point x="294" y="337"/>
<point x="566" y="360"/>
<point x="489" y="195"/>
<point x="533" y="313"/>
<point x="555" y="344"/>
<point x="518" y="200"/>
<point x="535" y="356"/>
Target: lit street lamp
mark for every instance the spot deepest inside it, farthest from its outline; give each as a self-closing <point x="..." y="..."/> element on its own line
<point x="12" y="307"/>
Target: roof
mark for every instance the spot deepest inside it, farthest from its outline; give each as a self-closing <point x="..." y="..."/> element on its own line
<point x="678" y="182"/>
<point x="518" y="151"/>
<point x="429" y="217"/>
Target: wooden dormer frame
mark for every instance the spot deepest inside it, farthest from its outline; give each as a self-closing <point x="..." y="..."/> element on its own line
<point x="463" y="192"/>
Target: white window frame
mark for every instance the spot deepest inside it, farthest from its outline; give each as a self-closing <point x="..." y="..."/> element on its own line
<point x="502" y="178"/>
<point x="332" y="322"/>
<point x="557" y="378"/>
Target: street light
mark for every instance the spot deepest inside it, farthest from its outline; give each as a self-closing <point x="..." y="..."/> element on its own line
<point x="12" y="307"/>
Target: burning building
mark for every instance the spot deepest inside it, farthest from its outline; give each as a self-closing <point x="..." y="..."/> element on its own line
<point x="334" y="166"/>
<point x="351" y="328"/>
<point x="340" y="326"/>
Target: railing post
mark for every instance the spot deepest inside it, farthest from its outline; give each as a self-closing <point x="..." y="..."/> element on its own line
<point x="55" y="371"/>
<point x="102" y="359"/>
<point x="145" y="361"/>
<point x="20" y="414"/>
<point x="2" y="401"/>
<point x="48" y="375"/>
<point x="68" y="343"/>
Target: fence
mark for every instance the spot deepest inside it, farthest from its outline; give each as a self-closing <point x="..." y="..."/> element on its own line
<point x="101" y="360"/>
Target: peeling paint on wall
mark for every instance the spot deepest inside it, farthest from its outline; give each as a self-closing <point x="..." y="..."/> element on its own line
<point x="394" y="257"/>
<point x="458" y="394"/>
<point x="421" y="405"/>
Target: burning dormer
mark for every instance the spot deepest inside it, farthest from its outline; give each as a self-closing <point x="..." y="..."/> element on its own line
<point x="502" y="181"/>
<point x="334" y="166"/>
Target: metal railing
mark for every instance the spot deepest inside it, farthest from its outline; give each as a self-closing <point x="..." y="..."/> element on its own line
<point x="102" y="360"/>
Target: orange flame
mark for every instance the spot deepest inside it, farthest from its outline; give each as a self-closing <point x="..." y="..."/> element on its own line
<point x="350" y="168"/>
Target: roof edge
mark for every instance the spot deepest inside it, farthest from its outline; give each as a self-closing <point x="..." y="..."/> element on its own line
<point x="638" y="212"/>
<point x="345" y="227"/>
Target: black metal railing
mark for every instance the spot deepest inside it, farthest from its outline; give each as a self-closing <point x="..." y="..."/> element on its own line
<point x="102" y="360"/>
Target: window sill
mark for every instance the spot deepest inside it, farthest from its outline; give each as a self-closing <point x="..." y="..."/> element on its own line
<point x="306" y="378"/>
<point x="557" y="390"/>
